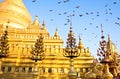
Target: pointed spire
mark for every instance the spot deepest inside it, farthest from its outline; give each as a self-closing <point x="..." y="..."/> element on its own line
<point x="36" y="22"/>
<point x="56" y="33"/>
<point x="108" y="37"/>
<point x="111" y="46"/>
<point x="71" y="50"/>
<point x="95" y="61"/>
<point x="80" y="44"/>
<point x="102" y="32"/>
<point x="44" y="25"/>
<point x="109" y="41"/>
<point x="71" y="32"/>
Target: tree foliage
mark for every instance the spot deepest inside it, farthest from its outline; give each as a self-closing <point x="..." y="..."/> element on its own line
<point x="4" y="46"/>
<point x="38" y="49"/>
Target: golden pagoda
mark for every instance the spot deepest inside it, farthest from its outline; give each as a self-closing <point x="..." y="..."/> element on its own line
<point x="107" y="67"/>
<point x="22" y="34"/>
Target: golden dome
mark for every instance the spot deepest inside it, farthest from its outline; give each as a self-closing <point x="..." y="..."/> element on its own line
<point x="16" y="12"/>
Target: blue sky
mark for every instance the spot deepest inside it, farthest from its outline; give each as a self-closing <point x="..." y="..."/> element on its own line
<point x="88" y="16"/>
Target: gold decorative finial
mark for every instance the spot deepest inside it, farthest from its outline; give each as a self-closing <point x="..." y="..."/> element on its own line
<point x="36" y="22"/>
<point x="44" y="25"/>
<point x="56" y="33"/>
<point x="108" y="37"/>
<point x="80" y="44"/>
<point x="109" y="44"/>
<point x="71" y="32"/>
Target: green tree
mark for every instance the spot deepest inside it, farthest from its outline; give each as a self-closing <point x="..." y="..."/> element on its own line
<point x="38" y="49"/>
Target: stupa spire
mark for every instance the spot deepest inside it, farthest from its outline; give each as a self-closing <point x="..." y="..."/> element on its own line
<point x="36" y="22"/>
<point x="80" y="44"/>
<point x="56" y="33"/>
<point x="71" y="32"/>
<point x="44" y="25"/>
<point x="111" y="46"/>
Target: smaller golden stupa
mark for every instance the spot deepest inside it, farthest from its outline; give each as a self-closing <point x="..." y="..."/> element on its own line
<point x="90" y="74"/>
<point x="107" y="74"/>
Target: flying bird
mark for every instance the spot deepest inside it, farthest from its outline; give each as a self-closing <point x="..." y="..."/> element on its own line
<point x="109" y="8"/>
<point x="110" y="13"/>
<point x="65" y="12"/>
<point x="87" y="13"/>
<point x="73" y="15"/>
<point x="91" y="13"/>
<point x="59" y="2"/>
<point x="73" y="11"/>
<point x="106" y="5"/>
<point x="51" y="19"/>
<point x="106" y="13"/>
<point x="96" y="26"/>
<point x="80" y="15"/>
<point x="85" y="28"/>
<point x="97" y="13"/>
<point x="66" y="1"/>
<point x="114" y="2"/>
<point x="34" y="1"/>
<point x="92" y="18"/>
<point x="65" y="24"/>
<point x="50" y="10"/>
<point x="77" y="6"/>
<point x="59" y="14"/>
<point x="118" y="18"/>
<point x="90" y="23"/>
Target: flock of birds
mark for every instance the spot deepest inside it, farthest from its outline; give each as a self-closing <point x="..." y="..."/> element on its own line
<point x="107" y="11"/>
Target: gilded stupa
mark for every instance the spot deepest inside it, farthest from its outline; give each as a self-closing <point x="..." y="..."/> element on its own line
<point x="22" y="35"/>
<point x="107" y="65"/>
<point x="16" y="12"/>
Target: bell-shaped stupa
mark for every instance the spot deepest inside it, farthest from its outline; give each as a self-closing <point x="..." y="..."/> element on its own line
<point x="16" y="13"/>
